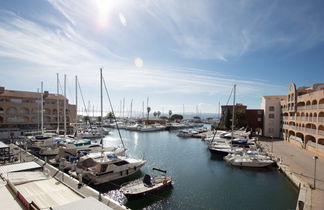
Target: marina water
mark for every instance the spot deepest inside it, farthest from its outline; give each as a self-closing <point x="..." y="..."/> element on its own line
<point x="202" y="181"/>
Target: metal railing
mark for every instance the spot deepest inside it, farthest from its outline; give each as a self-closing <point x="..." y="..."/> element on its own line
<point x="310" y="130"/>
<point x="320" y="132"/>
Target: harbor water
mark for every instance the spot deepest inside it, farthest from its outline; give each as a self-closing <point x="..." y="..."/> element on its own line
<point x="202" y="181"/>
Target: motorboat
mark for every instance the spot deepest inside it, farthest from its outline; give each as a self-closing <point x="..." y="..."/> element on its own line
<point x="146" y="186"/>
<point x="68" y="157"/>
<point x="106" y="168"/>
<point x="148" y="128"/>
<point x="249" y="159"/>
<point x="184" y="133"/>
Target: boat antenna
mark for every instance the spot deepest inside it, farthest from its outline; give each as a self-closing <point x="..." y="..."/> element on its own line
<point x="112" y="110"/>
<point x="233" y="115"/>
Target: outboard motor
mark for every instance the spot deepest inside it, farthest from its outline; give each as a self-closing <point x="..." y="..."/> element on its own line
<point x="147" y="180"/>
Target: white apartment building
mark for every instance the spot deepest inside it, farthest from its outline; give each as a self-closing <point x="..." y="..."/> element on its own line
<point x="272" y="115"/>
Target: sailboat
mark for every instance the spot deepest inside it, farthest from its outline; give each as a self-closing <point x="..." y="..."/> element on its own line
<point x="106" y="167"/>
<point x="224" y="147"/>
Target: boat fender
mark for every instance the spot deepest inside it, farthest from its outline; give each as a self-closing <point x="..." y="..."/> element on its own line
<point x="46" y="172"/>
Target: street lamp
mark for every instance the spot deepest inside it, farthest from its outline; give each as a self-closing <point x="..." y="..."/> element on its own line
<point x="272" y="144"/>
<point x="315" y="158"/>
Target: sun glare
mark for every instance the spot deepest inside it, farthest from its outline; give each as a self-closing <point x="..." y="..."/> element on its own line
<point x="104" y="8"/>
<point x="138" y="62"/>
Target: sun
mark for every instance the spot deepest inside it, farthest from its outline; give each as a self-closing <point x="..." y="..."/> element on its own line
<point x="104" y="8"/>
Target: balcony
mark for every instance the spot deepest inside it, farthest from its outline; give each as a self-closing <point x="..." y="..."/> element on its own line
<point x="320" y="132"/>
<point x="310" y="130"/>
<point x="299" y="108"/>
<point x="321" y="119"/>
<point x="321" y="106"/>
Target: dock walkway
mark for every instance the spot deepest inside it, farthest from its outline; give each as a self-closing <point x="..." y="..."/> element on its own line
<point x="300" y="163"/>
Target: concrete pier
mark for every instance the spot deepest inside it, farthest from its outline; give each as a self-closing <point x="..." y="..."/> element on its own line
<point x="298" y="166"/>
<point x="73" y="184"/>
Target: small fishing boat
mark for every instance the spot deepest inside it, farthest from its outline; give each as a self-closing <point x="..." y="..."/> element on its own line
<point x="147" y="185"/>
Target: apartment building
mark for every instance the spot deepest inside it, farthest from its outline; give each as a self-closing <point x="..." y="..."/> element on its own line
<point x="303" y="117"/>
<point x="22" y="110"/>
<point x="250" y="118"/>
<point x="271" y="106"/>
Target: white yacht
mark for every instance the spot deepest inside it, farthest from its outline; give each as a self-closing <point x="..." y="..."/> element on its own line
<point x="184" y="133"/>
<point x="249" y="160"/>
<point x="147" y="128"/>
<point x="106" y="168"/>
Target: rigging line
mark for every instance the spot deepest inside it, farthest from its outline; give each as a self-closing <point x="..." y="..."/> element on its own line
<point x="68" y="87"/>
<point x="229" y="98"/>
<point x="85" y="107"/>
<point x="112" y="110"/>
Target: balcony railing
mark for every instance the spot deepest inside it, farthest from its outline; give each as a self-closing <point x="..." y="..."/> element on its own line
<point x="321" y="106"/>
<point x="321" y="119"/>
<point x="320" y="132"/>
<point x="300" y="108"/>
<point x="310" y="130"/>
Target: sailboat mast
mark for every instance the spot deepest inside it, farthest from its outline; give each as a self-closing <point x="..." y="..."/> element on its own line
<point x="131" y="109"/>
<point x="233" y="115"/>
<point x="101" y="108"/>
<point x="143" y="109"/>
<point x="38" y="109"/>
<point x="76" y="103"/>
<point x="64" y="106"/>
<point x="58" y="103"/>
<point x="42" y="109"/>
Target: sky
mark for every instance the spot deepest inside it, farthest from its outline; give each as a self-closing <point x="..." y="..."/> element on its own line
<point x="184" y="55"/>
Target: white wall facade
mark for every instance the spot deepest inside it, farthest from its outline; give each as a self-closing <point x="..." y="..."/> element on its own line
<point x="272" y="115"/>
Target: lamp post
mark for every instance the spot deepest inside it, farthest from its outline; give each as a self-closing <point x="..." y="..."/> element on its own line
<point x="315" y="158"/>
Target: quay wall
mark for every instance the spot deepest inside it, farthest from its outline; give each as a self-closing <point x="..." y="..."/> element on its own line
<point x="304" y="201"/>
<point x="70" y="182"/>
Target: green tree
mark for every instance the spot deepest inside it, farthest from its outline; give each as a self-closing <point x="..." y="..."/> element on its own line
<point x="148" y="113"/>
<point x="240" y="118"/>
<point x="176" y="117"/>
<point x="228" y="119"/>
<point x="155" y="114"/>
<point x="158" y="113"/>
<point x="170" y="113"/>
<point x="110" y="116"/>
<point x="86" y="119"/>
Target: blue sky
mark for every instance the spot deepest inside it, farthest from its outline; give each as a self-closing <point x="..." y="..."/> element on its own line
<point x="187" y="52"/>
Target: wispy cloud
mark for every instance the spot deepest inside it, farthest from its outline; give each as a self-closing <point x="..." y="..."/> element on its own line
<point x="218" y="30"/>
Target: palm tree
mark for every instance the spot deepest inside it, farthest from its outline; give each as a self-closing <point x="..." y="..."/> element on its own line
<point x="158" y="114"/>
<point x="86" y="119"/>
<point x="155" y="113"/>
<point x="148" y="113"/>
<point x="110" y="116"/>
<point x="170" y="113"/>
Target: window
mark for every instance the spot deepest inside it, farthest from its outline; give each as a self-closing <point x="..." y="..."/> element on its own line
<point x="271" y="116"/>
<point x="271" y="130"/>
<point x="259" y="119"/>
<point x="259" y="112"/>
<point x="271" y="108"/>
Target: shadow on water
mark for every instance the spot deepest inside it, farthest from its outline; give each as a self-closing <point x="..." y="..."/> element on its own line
<point x="149" y="200"/>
